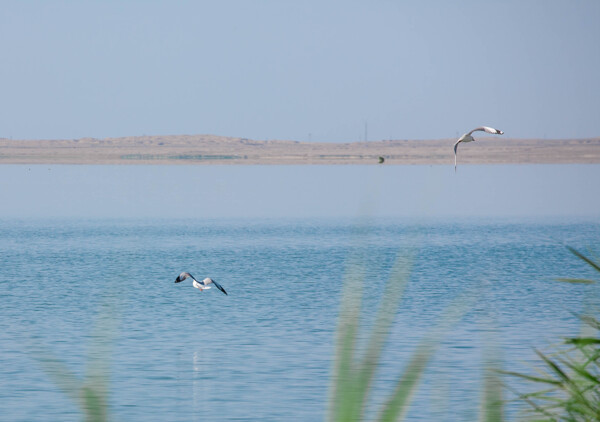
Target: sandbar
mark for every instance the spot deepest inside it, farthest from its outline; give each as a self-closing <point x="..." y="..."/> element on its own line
<point x="212" y="149"/>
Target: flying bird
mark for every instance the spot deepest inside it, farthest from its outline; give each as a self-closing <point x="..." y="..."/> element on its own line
<point x="200" y="285"/>
<point x="468" y="138"/>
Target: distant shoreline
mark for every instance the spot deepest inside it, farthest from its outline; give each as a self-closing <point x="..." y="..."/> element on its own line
<point x="210" y="149"/>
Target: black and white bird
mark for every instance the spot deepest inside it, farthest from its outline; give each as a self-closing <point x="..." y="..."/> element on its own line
<point x="468" y="138"/>
<point x="200" y="285"/>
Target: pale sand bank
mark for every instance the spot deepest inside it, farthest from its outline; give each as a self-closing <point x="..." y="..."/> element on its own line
<point x="207" y="149"/>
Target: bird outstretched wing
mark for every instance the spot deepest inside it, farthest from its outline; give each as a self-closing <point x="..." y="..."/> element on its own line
<point x="488" y="130"/>
<point x="183" y="276"/>
<point x="455" y="148"/>
<point x="218" y="286"/>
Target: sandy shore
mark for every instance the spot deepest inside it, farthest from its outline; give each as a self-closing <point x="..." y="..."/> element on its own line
<point x="207" y="149"/>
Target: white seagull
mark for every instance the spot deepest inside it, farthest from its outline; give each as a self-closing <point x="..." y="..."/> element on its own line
<point x="200" y="285"/>
<point x="468" y="138"/>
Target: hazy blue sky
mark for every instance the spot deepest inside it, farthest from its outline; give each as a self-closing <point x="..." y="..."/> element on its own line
<point x="284" y="70"/>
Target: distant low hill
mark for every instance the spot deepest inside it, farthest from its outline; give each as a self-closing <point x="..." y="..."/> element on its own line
<point x="210" y="149"/>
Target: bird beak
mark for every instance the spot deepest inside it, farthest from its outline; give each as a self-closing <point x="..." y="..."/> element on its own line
<point x="177" y="280"/>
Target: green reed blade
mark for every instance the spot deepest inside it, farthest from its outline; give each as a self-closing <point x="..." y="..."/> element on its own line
<point x="526" y="398"/>
<point x="585" y="341"/>
<point x="576" y="280"/>
<point x="102" y="339"/>
<point x="557" y="370"/>
<point x="91" y="393"/>
<point x="343" y="395"/>
<point x="583" y="374"/>
<point x="382" y="326"/>
<point x="584" y="258"/>
<point x="492" y="409"/>
<point x="397" y="405"/>
<point x="59" y="373"/>
<point x="550" y="381"/>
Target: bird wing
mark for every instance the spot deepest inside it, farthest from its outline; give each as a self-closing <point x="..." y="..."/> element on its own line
<point x="487" y="129"/>
<point x="455" y="148"/>
<point x="218" y="286"/>
<point x="183" y="276"/>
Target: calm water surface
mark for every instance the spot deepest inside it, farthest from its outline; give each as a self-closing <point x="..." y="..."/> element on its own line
<point x="264" y="352"/>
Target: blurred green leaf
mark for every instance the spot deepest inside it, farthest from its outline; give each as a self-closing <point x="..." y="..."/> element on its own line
<point x="532" y="378"/>
<point x="584" y="258"/>
<point x="589" y="320"/>
<point x="91" y="392"/>
<point x="492" y="406"/>
<point x="397" y="405"/>
<point x="353" y="376"/>
<point x="343" y="394"/>
<point x="59" y="373"/>
<point x="573" y="373"/>
<point x="557" y="370"/>
<point x="381" y="328"/>
<point x="583" y="341"/>
<point x="576" y="280"/>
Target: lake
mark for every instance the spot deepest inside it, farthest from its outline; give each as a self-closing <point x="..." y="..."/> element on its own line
<point x="264" y="352"/>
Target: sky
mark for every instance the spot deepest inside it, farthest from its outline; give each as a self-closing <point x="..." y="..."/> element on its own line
<point x="331" y="71"/>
